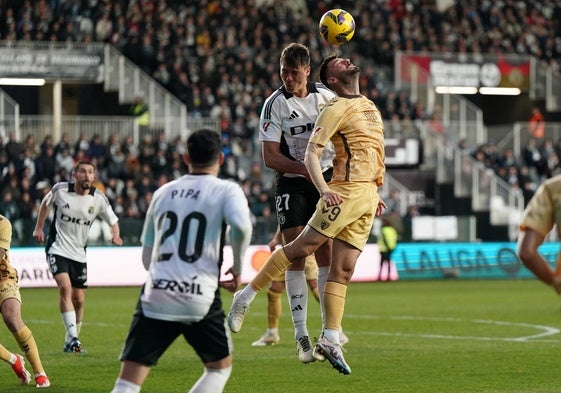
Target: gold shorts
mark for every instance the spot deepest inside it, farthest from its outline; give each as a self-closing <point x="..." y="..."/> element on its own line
<point x="352" y="220"/>
<point x="310" y="270"/>
<point x="9" y="287"/>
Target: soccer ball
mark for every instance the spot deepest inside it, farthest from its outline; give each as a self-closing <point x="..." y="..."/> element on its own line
<point x="337" y="26"/>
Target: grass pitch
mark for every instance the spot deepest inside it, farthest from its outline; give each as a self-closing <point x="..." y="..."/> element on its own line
<point x="408" y="336"/>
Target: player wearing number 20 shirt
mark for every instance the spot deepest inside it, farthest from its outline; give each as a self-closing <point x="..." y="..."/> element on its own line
<point x="185" y="227"/>
<point x="182" y="241"/>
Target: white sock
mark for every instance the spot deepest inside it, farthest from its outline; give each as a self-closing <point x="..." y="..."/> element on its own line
<point x="332" y="335"/>
<point x="323" y="271"/>
<point x="69" y="320"/>
<point x="273" y="331"/>
<point x="297" y="293"/>
<point x="124" y="386"/>
<point x="213" y="380"/>
<point x="247" y="294"/>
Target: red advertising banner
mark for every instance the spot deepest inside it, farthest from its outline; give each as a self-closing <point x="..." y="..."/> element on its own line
<point x="492" y="71"/>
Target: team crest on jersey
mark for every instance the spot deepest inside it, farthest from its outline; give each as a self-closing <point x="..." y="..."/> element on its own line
<point x="266" y="126"/>
<point x="324" y="225"/>
<point x="90" y="210"/>
<point x="282" y="219"/>
<point x="316" y="131"/>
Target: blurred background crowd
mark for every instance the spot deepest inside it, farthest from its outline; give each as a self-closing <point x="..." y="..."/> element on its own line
<point x="221" y="59"/>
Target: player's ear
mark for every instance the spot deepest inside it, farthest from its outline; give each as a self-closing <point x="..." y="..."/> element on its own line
<point x="221" y="158"/>
<point x="186" y="159"/>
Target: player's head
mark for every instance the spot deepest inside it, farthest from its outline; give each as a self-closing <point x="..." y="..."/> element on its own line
<point x="204" y="148"/>
<point x="295" y="68"/>
<point x="335" y="72"/>
<point x="84" y="174"/>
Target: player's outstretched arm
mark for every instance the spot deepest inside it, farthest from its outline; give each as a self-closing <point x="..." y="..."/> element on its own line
<point x="38" y="233"/>
<point x="528" y="244"/>
<point x="116" y="235"/>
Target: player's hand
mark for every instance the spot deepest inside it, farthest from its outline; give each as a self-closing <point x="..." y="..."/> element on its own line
<point x="273" y="244"/>
<point x="39" y="235"/>
<point x="331" y="198"/>
<point x="117" y="241"/>
<point x="233" y="284"/>
<point x="381" y="207"/>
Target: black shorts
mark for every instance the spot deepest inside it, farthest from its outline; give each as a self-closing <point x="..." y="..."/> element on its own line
<point x="295" y="200"/>
<point x="149" y="338"/>
<point x="77" y="271"/>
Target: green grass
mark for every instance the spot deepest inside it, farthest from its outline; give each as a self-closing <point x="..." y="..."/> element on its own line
<point x="409" y="336"/>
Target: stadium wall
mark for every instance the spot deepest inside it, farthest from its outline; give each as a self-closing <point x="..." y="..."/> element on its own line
<point x="122" y="266"/>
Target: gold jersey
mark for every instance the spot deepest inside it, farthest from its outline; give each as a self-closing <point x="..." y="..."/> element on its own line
<point x="544" y="209"/>
<point x="354" y="126"/>
<point x="8" y="275"/>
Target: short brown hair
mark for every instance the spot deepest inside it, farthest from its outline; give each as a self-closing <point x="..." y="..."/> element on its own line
<point x="295" y="55"/>
<point x="323" y="69"/>
<point x="84" y="162"/>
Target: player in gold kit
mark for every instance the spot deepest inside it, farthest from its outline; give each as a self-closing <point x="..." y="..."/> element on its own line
<point x="10" y="308"/>
<point x="541" y="214"/>
<point x="347" y="206"/>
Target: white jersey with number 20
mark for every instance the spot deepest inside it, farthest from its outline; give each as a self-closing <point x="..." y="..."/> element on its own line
<point x="185" y="226"/>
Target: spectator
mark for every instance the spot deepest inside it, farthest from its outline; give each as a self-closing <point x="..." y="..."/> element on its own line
<point x="116" y="165"/>
<point x="96" y="149"/>
<point x="10" y="209"/>
<point x="140" y="110"/>
<point x="82" y="144"/>
<point x="387" y="242"/>
<point x="64" y="143"/>
<point x="64" y="161"/>
<point x="14" y="149"/>
<point x="45" y="164"/>
<point x="536" y="127"/>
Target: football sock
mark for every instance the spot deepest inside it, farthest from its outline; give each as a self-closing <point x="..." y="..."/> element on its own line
<point x="275" y="265"/>
<point x="6" y="355"/>
<point x="323" y="271"/>
<point x="124" y="386"/>
<point x="332" y="335"/>
<point x="69" y="320"/>
<point x="274" y="309"/>
<point x="247" y="294"/>
<point x="297" y="293"/>
<point x="212" y="381"/>
<point x="78" y="328"/>
<point x="26" y="342"/>
<point x="334" y="298"/>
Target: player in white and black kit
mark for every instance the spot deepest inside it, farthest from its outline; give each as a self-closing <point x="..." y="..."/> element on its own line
<point x="182" y="239"/>
<point x="286" y="123"/>
<point x="75" y="205"/>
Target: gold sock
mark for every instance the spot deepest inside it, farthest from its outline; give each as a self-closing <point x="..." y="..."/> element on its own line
<point x="334" y="299"/>
<point x="274" y="308"/>
<point x="275" y="265"/>
<point x="26" y="342"/>
<point x="5" y="354"/>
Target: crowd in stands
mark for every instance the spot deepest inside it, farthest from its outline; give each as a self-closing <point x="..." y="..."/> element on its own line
<point x="221" y="59"/>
